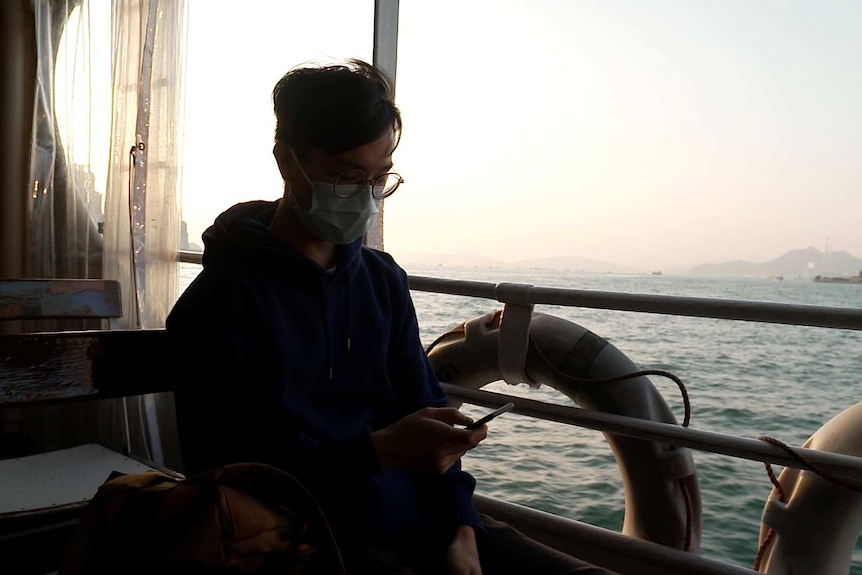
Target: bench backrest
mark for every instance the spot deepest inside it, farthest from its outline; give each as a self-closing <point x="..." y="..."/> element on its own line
<point x="58" y="366"/>
<point x="59" y="299"/>
<point x="55" y="367"/>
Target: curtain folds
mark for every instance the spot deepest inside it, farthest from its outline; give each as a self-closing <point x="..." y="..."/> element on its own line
<point x="63" y="232"/>
<point x="104" y="192"/>
<point x="142" y="217"/>
<point x="105" y="171"/>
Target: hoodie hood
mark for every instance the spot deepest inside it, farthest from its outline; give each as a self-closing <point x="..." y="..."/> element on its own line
<point x="240" y="235"/>
<point x="240" y="244"/>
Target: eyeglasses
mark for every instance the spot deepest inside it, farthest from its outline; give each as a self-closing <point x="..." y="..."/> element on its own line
<point x="351" y="182"/>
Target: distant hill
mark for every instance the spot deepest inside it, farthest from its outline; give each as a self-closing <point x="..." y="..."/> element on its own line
<point x="805" y="263"/>
<point x="469" y="259"/>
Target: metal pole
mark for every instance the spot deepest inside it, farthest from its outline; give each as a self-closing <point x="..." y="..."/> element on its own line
<point x="385" y="59"/>
<point x="844" y="466"/>
<point x="792" y="314"/>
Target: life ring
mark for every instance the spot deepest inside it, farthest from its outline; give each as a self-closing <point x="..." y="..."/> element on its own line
<point x="815" y="530"/>
<point x="662" y="494"/>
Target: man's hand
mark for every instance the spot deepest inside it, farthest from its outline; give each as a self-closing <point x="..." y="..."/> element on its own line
<point x="462" y="557"/>
<point x="425" y="441"/>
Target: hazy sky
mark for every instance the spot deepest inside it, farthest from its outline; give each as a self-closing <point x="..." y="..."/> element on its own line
<point x="643" y="132"/>
<point x="632" y="131"/>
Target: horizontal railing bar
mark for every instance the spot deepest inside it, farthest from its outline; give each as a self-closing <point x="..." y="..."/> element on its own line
<point x="623" y="554"/>
<point x="767" y="312"/>
<point x="188" y="257"/>
<point x="845" y="466"/>
<point x="715" y="308"/>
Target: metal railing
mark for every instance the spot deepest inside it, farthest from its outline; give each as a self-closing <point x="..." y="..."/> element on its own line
<point x="793" y="314"/>
<point x="767" y="312"/>
<point x="607" y="548"/>
<point x="845" y="466"/>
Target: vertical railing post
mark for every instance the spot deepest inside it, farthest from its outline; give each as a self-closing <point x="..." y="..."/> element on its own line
<point x="385" y="58"/>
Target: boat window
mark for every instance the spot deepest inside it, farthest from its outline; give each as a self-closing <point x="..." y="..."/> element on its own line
<point x="237" y="51"/>
<point x="82" y="99"/>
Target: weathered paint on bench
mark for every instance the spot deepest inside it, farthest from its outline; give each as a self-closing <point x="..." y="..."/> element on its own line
<point x="59" y="299"/>
<point x="41" y="368"/>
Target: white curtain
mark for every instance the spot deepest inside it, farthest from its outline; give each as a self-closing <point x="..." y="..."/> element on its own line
<point x="107" y="129"/>
<point x="142" y="204"/>
<point x="64" y="207"/>
<point x="105" y="173"/>
<point x="142" y="216"/>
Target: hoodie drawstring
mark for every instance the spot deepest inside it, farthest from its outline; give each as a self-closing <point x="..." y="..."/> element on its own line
<point x="324" y="304"/>
<point x="349" y="310"/>
<point x="348" y="322"/>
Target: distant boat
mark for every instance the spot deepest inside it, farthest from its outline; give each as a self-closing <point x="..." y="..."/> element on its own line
<point x="656" y="273"/>
<point x="839" y="279"/>
<point x="835" y="279"/>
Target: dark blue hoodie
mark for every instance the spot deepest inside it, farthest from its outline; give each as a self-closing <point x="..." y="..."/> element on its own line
<point x="292" y="365"/>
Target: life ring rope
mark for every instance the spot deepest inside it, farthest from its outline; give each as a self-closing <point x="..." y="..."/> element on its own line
<point x="631" y="375"/>
<point x="494" y="320"/>
<point x="779" y="489"/>
<point x="809" y="466"/>
<point x="689" y="513"/>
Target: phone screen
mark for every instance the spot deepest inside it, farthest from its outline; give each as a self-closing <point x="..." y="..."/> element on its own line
<point x="480" y="422"/>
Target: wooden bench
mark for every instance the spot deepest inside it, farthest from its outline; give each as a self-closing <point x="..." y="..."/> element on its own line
<point x="42" y="494"/>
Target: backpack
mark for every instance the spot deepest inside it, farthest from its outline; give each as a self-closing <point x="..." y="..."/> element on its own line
<point x="242" y="518"/>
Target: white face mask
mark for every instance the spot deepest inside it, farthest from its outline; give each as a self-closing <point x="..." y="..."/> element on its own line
<point x="339" y="220"/>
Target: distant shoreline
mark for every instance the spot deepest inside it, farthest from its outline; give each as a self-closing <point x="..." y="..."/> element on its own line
<point x="803" y="264"/>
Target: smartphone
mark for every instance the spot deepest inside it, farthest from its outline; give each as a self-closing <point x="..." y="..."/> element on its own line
<point x="490" y="416"/>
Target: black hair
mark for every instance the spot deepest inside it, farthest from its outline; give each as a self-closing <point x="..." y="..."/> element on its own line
<point x="334" y="107"/>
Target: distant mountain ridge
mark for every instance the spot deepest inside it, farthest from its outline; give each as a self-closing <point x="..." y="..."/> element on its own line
<point x="803" y="263"/>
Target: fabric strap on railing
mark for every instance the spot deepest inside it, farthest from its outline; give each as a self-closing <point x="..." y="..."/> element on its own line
<point x="514" y="331"/>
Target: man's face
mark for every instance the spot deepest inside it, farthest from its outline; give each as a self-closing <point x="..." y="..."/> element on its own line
<point x="368" y="161"/>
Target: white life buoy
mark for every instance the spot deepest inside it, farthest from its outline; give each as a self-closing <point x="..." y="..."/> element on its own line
<point x="662" y="495"/>
<point x="816" y="528"/>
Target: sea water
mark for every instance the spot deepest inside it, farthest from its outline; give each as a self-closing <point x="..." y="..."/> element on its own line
<point x="743" y="378"/>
